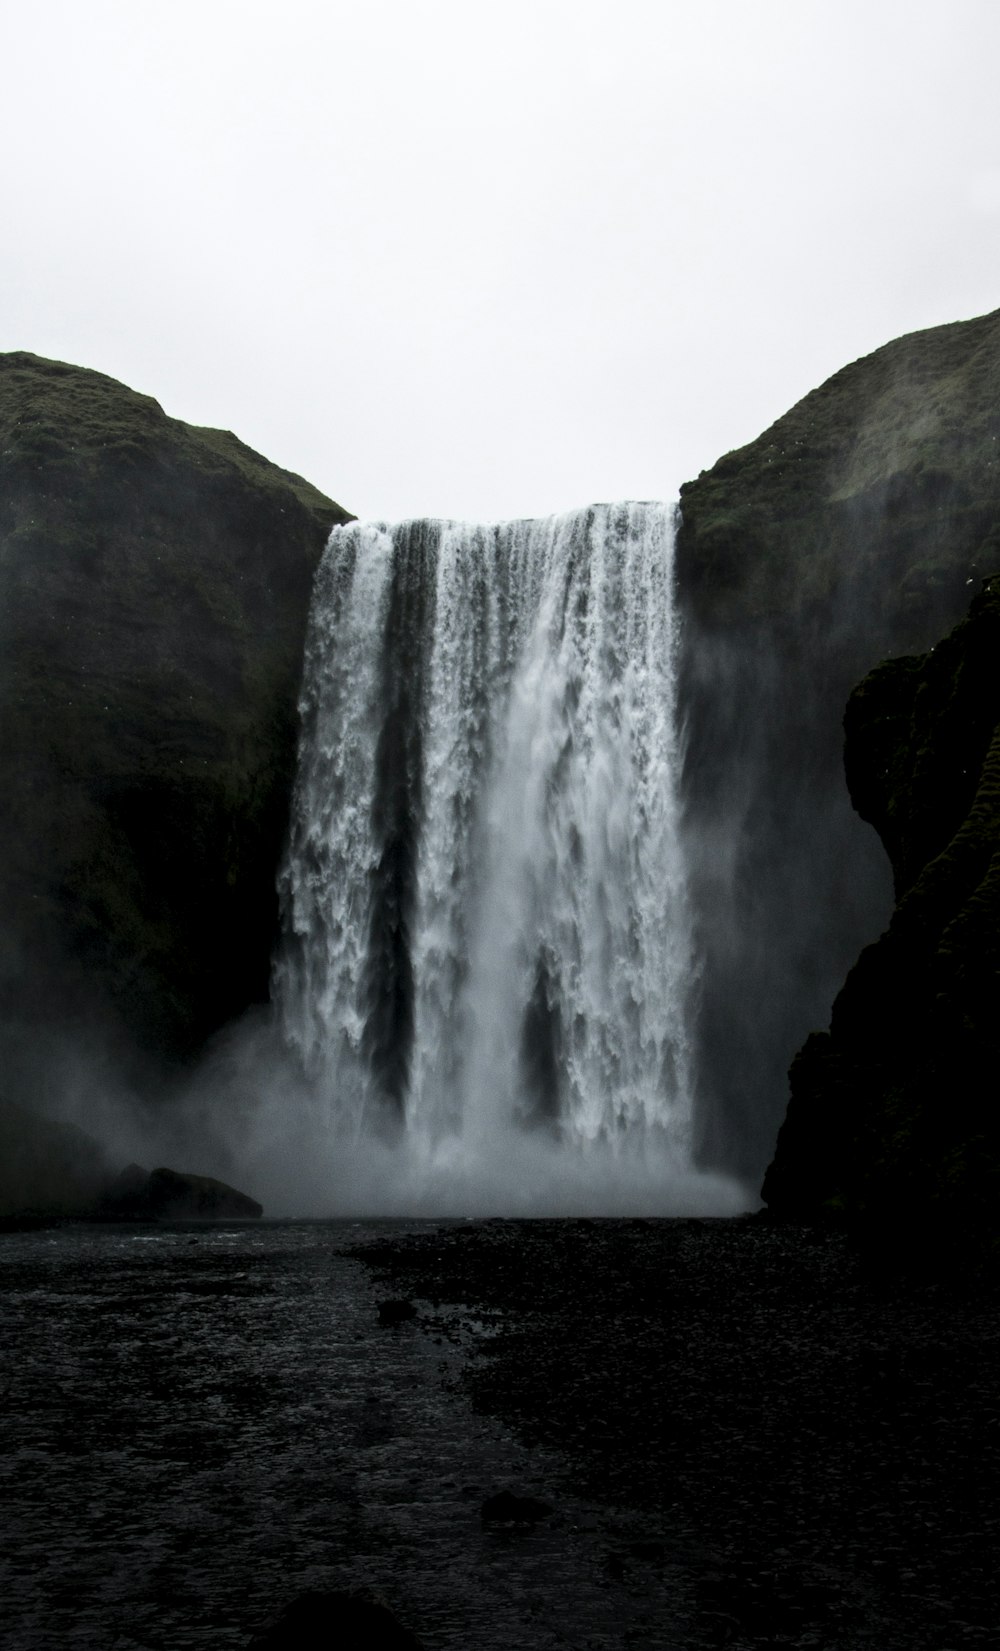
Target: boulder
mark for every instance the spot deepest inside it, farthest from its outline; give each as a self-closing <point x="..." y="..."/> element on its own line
<point x="172" y="1195"/>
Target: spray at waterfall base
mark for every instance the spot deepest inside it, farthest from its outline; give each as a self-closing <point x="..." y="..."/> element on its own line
<point x="487" y="966"/>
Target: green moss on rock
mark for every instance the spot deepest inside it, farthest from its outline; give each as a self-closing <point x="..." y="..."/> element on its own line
<point x="154" y="588"/>
<point x="851" y="531"/>
<point x="882" y="487"/>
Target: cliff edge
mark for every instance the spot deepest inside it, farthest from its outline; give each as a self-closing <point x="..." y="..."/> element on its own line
<point x="849" y="532"/>
<point x="154" y="588"/>
<point x="893" y="1110"/>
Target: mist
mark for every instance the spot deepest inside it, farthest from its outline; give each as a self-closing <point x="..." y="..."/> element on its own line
<point x="787" y="882"/>
<point x="740" y="838"/>
<point x="296" y="1171"/>
<point x="250" y="1116"/>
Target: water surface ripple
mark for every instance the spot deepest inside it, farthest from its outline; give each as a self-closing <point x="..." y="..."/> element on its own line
<point x="199" y="1426"/>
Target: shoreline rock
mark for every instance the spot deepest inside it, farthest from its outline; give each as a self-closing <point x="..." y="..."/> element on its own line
<point x="892" y="1121"/>
<point x="52" y="1172"/>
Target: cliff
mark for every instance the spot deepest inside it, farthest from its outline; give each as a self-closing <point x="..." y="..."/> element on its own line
<point x="850" y="531"/>
<point x="893" y="1110"/>
<point x="154" y="586"/>
<point x="867" y="506"/>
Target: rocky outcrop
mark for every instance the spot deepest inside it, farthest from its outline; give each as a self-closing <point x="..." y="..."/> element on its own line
<point x="53" y="1171"/>
<point x="879" y="491"/>
<point x="893" y="1110"/>
<point x="174" y="1195"/>
<point x="154" y="586"/>
<point x="852" y="530"/>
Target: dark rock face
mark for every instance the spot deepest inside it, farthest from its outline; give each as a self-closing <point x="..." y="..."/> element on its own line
<point x="879" y="488"/>
<point x="847" y="533"/>
<point x="154" y="587"/>
<point x="894" y="1109"/>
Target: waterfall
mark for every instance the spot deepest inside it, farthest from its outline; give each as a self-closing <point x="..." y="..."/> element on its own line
<point x="486" y="928"/>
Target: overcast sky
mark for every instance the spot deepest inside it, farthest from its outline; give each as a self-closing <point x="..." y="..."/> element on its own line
<point x="456" y="258"/>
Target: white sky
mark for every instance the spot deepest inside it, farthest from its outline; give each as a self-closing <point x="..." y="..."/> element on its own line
<point x="455" y="258"/>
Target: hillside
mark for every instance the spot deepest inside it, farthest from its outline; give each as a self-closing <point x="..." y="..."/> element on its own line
<point x="893" y="1110"/>
<point x="854" y="529"/>
<point x="154" y="584"/>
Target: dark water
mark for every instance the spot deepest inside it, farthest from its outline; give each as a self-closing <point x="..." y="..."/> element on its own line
<point x="197" y="1427"/>
<point x="751" y="1436"/>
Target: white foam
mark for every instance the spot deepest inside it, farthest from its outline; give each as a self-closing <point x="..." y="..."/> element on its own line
<point x="547" y="929"/>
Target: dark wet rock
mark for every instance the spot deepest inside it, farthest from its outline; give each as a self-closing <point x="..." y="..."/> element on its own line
<point x="171" y="1195"/>
<point x="892" y="1118"/>
<point x="506" y="1508"/>
<point x="154" y="588"/>
<point x="130" y="1185"/>
<point x="848" y="532"/>
<point x="51" y="1170"/>
<point x="397" y="1311"/>
<point x="335" y="1622"/>
<point x="882" y="482"/>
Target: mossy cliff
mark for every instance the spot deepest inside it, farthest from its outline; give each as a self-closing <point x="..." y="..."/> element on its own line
<point x="869" y="504"/>
<point x="894" y="1110"/>
<point x="154" y="586"/>
<point x="850" y="531"/>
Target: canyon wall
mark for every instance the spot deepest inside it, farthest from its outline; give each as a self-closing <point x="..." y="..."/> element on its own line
<point x="154" y="588"/>
<point x="853" y="530"/>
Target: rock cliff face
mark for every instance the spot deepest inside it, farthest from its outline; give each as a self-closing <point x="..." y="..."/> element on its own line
<point x="154" y="585"/>
<point x="850" y="531"/>
<point x="894" y="1109"/>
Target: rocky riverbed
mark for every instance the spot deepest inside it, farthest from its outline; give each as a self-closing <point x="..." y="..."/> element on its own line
<point x="795" y="1439"/>
<point x="670" y="1435"/>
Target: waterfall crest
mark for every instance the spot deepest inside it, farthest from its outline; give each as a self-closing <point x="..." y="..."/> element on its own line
<point x="486" y="929"/>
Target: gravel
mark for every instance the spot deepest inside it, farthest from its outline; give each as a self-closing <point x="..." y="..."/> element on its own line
<point x="798" y="1442"/>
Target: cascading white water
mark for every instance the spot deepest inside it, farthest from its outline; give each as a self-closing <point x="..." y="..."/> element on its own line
<point x="485" y="911"/>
